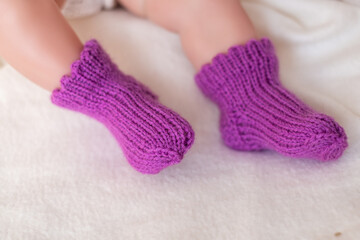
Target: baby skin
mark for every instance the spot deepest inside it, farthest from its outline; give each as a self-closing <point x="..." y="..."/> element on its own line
<point x="235" y="69"/>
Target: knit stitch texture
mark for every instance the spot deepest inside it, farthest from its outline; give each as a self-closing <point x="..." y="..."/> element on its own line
<point x="257" y="112"/>
<point x="151" y="135"/>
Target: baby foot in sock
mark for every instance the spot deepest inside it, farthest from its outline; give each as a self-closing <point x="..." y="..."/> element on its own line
<point x="151" y="135"/>
<point x="257" y="112"/>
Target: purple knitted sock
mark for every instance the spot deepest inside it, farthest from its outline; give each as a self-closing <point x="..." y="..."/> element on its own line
<point x="151" y="135"/>
<point x="257" y="112"/>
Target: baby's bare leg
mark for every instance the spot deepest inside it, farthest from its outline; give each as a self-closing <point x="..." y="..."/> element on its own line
<point x="206" y="27"/>
<point x="37" y="41"/>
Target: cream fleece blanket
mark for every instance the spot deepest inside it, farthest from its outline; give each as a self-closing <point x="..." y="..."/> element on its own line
<point x="63" y="176"/>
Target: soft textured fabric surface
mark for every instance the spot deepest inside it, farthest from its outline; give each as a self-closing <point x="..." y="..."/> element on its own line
<point x="257" y="112"/>
<point x="83" y="8"/>
<point x="63" y="176"/>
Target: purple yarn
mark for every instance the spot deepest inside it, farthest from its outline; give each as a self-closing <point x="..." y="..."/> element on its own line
<point x="257" y="112"/>
<point x="151" y="135"/>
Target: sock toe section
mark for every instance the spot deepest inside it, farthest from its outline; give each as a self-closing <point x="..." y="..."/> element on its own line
<point x="174" y="138"/>
<point x="156" y="160"/>
<point x="334" y="150"/>
<point x="327" y="139"/>
<point x="159" y="158"/>
<point x="331" y="145"/>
